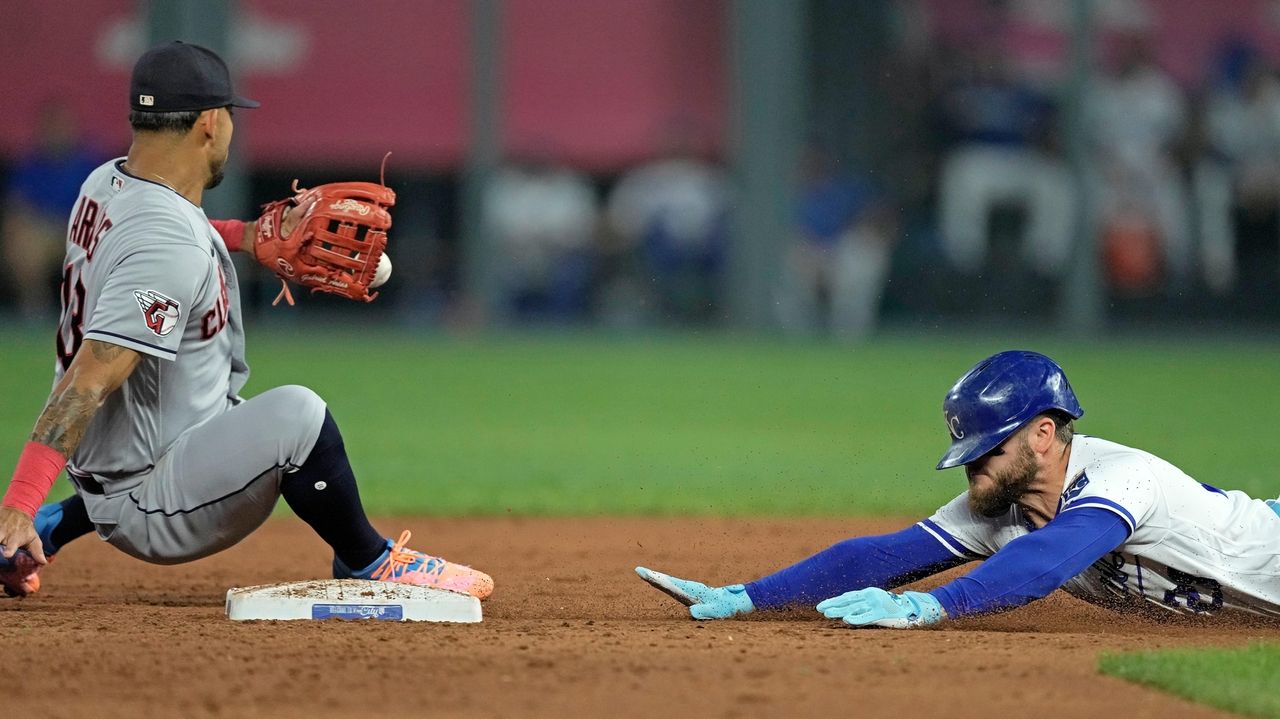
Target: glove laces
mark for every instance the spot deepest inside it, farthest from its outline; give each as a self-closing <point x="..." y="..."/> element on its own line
<point x="284" y="293"/>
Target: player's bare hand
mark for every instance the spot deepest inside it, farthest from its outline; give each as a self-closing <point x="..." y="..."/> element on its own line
<point x="290" y="220"/>
<point x="294" y="215"/>
<point x="17" y="531"/>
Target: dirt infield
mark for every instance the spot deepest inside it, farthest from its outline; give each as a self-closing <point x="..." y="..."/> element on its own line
<point x="569" y="631"/>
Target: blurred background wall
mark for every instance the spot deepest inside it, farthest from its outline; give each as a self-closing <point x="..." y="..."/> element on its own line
<point x="811" y="167"/>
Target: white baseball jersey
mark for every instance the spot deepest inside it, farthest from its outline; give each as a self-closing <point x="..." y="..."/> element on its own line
<point x="1192" y="548"/>
<point x="145" y="270"/>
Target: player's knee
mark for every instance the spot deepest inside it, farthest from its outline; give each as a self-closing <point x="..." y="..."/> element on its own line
<point x="296" y="407"/>
<point x="294" y="401"/>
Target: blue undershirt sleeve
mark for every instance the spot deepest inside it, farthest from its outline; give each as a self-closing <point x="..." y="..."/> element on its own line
<point x="885" y="561"/>
<point x="1033" y="565"/>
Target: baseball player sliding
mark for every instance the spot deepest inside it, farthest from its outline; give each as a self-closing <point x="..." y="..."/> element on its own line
<point x="1046" y="508"/>
<point x="169" y="463"/>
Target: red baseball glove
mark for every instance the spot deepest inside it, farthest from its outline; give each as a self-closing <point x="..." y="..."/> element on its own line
<point x="335" y="246"/>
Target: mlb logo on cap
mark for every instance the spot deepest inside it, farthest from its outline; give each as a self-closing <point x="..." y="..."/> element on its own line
<point x="177" y="77"/>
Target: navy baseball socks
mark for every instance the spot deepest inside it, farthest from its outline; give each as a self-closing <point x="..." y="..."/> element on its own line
<point x="323" y="493"/>
<point x="62" y="522"/>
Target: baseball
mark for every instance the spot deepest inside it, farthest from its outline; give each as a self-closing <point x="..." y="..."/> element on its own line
<point x="383" y="273"/>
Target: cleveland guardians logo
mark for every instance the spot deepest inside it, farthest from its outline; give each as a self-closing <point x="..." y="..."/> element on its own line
<point x="159" y="312"/>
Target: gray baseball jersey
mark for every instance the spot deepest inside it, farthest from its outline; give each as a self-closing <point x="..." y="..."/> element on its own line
<point x="174" y="466"/>
<point x="145" y="270"/>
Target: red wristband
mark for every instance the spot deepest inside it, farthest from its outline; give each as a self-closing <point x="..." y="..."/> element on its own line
<point x="38" y="467"/>
<point x="232" y="232"/>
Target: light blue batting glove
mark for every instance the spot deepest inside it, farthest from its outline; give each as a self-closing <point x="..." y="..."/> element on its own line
<point x="703" y="602"/>
<point x="873" y="607"/>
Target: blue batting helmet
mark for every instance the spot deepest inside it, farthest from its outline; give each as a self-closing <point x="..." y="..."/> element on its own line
<point x="999" y="395"/>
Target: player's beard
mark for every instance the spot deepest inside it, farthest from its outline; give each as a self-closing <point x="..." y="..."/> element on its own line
<point x="1007" y="486"/>
<point x="217" y="170"/>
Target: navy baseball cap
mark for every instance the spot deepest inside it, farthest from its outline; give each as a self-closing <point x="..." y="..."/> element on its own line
<point x="178" y="77"/>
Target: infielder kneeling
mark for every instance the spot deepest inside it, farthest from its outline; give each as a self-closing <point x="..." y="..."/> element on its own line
<point x="1046" y="508"/>
<point x="170" y="464"/>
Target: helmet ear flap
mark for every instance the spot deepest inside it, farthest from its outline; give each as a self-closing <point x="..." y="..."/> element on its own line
<point x="997" y="396"/>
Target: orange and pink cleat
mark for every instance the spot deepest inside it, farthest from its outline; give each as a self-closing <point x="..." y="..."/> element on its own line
<point x="19" y="576"/>
<point x="406" y="566"/>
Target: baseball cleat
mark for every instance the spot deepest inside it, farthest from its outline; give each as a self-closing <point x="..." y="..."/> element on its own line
<point x="423" y="570"/>
<point x="19" y="576"/>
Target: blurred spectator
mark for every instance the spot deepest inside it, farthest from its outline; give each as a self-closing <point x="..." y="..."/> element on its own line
<point x="1138" y="120"/>
<point x="672" y="215"/>
<point x="41" y="194"/>
<point x="1238" y="187"/>
<point x="838" y="263"/>
<point x="543" y="219"/>
<point x="1002" y="160"/>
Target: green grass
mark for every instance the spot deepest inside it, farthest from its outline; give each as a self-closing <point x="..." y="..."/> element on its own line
<point x="706" y="425"/>
<point x="1238" y="680"/>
